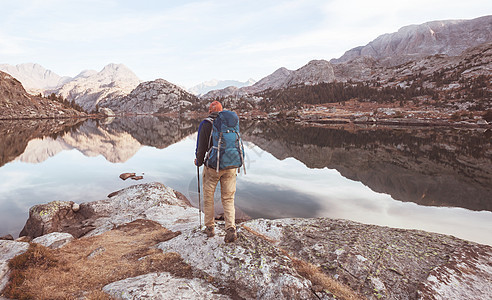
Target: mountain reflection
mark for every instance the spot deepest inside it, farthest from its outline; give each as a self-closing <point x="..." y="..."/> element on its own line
<point x="15" y="135"/>
<point x="116" y="140"/>
<point x="155" y="131"/>
<point x="428" y="166"/>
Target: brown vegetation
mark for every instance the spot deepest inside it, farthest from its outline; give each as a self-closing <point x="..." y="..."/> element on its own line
<point x="323" y="281"/>
<point x="83" y="267"/>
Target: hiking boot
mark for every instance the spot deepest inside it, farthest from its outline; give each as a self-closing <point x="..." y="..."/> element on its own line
<point x="209" y="231"/>
<point x="231" y="235"/>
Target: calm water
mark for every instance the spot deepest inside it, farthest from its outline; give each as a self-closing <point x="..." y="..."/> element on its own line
<point x="437" y="180"/>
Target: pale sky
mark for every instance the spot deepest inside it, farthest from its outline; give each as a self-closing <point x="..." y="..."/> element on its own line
<point x="188" y="42"/>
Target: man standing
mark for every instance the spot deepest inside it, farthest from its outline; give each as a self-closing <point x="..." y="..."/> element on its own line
<point x="212" y="175"/>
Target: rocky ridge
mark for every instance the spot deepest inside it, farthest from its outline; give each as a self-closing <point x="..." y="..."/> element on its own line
<point x="91" y="88"/>
<point x="16" y="103"/>
<point x="268" y="260"/>
<point x="158" y="96"/>
<point x="35" y="78"/>
<point x="449" y="37"/>
<point x="315" y="72"/>
<point x="473" y="62"/>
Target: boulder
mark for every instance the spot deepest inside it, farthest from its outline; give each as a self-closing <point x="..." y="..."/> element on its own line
<point x="54" y="240"/>
<point x="152" y="201"/>
<point x="57" y="216"/>
<point x="75" y="207"/>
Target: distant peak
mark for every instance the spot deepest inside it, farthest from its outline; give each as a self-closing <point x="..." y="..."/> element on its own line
<point x="86" y="73"/>
<point x="282" y="70"/>
<point x="113" y="66"/>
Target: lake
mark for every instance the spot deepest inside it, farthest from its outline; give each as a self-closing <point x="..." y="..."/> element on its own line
<point x="433" y="179"/>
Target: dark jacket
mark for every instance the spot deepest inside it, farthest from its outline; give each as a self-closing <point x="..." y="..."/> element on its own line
<point x="203" y="141"/>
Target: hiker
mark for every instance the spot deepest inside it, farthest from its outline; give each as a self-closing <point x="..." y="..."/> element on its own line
<point x="217" y="168"/>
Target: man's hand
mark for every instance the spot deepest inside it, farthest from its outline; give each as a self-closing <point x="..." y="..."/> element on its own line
<point x="195" y="163"/>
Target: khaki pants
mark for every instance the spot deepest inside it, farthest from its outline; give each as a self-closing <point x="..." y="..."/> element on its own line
<point x="227" y="180"/>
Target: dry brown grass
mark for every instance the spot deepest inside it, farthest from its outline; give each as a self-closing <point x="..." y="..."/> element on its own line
<point x="314" y="274"/>
<point x="318" y="278"/>
<point x="72" y="272"/>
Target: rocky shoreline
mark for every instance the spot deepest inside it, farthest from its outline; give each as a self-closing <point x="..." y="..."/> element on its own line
<point x="144" y="242"/>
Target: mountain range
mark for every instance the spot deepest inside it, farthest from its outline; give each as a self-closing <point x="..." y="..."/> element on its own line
<point x="425" y="50"/>
<point x="214" y="84"/>
<point x="411" y="43"/>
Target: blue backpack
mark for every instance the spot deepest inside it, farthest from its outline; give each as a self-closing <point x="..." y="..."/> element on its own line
<point x="227" y="149"/>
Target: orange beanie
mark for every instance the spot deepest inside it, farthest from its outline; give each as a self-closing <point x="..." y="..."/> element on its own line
<point x="215" y="106"/>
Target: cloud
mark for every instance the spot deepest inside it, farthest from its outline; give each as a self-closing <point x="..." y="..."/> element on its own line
<point x="192" y="41"/>
<point x="10" y="45"/>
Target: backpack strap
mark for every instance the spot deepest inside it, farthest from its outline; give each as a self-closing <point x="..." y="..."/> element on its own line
<point x="218" y="151"/>
<point x="207" y="154"/>
<point x="241" y="153"/>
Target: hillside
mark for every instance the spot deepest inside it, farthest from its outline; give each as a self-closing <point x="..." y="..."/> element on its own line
<point x="91" y="88"/>
<point x="459" y="82"/>
<point x="315" y="72"/>
<point x="158" y="96"/>
<point x="449" y="37"/>
<point x="16" y="103"/>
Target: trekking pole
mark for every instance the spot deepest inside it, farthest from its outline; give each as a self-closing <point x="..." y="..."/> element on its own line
<point x="199" y="201"/>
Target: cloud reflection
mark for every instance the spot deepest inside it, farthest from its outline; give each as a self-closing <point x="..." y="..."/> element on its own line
<point x="273" y="201"/>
